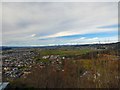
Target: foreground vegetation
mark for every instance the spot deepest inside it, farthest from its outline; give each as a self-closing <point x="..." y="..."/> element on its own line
<point x="99" y="76"/>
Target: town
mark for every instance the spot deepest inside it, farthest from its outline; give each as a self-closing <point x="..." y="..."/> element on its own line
<point x="17" y="63"/>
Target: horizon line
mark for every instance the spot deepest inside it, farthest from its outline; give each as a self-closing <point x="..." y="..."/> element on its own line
<point x="55" y="45"/>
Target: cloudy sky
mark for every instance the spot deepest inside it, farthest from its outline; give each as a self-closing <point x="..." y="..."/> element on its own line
<point x="50" y="23"/>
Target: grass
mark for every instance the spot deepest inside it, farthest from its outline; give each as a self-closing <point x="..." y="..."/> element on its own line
<point x="64" y="52"/>
<point x="43" y="60"/>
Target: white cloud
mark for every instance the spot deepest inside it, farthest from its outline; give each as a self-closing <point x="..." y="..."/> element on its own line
<point x="33" y="35"/>
<point x="49" y="20"/>
<point x="95" y="40"/>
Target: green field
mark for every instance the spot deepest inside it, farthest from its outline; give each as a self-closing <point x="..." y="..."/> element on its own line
<point x="65" y="52"/>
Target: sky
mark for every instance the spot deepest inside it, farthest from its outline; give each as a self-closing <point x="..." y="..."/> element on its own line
<point x="59" y="23"/>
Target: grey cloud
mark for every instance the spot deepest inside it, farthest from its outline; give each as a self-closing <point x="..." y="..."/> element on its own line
<point x="20" y="20"/>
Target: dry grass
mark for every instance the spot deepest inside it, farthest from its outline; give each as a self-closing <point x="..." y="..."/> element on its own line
<point x="86" y="73"/>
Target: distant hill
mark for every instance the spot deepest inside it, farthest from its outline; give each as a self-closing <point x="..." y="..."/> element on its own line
<point x="5" y="48"/>
<point x="62" y="46"/>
